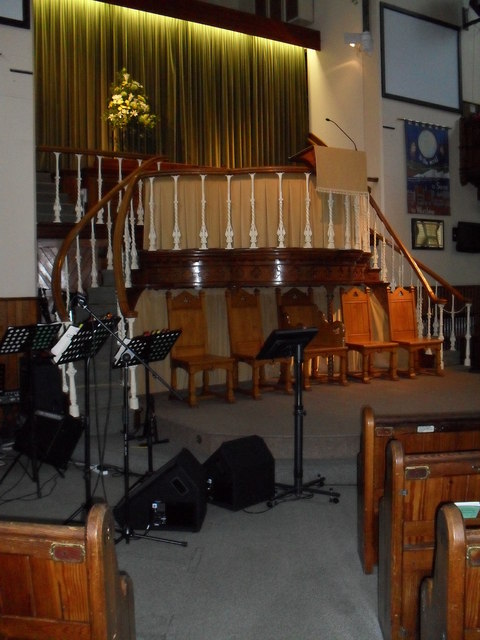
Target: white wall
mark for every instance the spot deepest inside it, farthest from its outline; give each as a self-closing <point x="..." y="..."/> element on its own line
<point x="18" y="262"/>
<point x="346" y="86"/>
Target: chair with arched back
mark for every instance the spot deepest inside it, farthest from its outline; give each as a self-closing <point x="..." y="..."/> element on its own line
<point x="190" y="352"/>
<point x="245" y="329"/>
<point x="402" y="318"/>
<point x="297" y="308"/>
<point x="359" y="338"/>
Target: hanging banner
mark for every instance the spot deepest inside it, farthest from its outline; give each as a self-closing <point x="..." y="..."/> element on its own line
<point x="428" y="177"/>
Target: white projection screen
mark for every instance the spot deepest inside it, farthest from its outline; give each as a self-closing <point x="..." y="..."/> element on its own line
<point x="420" y="59"/>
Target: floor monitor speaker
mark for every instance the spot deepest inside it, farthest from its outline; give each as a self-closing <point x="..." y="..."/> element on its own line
<point x="54" y="438"/>
<point x="241" y="473"/>
<point x="172" y="498"/>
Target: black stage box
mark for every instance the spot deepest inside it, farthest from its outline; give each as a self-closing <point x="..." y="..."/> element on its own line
<point x="55" y="437"/>
<point x="172" y="498"/>
<point x="241" y="473"/>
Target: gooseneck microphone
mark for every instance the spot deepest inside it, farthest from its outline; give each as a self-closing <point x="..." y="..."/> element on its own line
<point x="344" y="132"/>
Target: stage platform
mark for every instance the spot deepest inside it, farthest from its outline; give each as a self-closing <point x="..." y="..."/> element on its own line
<point x="331" y="425"/>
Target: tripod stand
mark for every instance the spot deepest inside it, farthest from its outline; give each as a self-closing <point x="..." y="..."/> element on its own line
<point x="84" y="345"/>
<point x="284" y="343"/>
<point x="148" y="348"/>
<point x="30" y="339"/>
<point x="125" y="357"/>
<point x="141" y="349"/>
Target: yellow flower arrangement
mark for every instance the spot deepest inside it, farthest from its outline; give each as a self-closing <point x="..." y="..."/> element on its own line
<point x="128" y="104"/>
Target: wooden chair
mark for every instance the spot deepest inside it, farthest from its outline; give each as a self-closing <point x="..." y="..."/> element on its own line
<point x="245" y="331"/>
<point x="59" y="581"/>
<point x="459" y="431"/>
<point x="356" y="315"/>
<point x="296" y="308"/>
<point x="416" y="485"/>
<point x="450" y="599"/>
<point x="403" y="325"/>
<point x="190" y="352"/>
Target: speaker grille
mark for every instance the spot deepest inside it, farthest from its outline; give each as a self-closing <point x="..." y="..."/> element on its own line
<point x="172" y="498"/>
<point x="241" y="473"/>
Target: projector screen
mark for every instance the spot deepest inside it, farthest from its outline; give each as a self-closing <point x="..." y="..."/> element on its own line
<point x="420" y="59"/>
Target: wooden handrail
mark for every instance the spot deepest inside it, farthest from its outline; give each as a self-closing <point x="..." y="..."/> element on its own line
<point x="413" y="263"/>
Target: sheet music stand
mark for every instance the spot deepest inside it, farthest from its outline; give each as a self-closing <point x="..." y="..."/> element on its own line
<point x="29" y="339"/>
<point x="84" y="345"/>
<point x="148" y="348"/>
<point x="287" y="343"/>
<point x="140" y="350"/>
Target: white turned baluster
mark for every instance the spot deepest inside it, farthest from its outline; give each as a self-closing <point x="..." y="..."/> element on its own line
<point x="331" y="230"/>
<point x="253" y="227"/>
<point x="203" y="229"/>
<point x="100" y="189"/>
<point x="229" y="230"/>
<point x="393" y="282"/>
<point x="281" y="227"/>
<point x="93" y="247"/>
<point x="366" y="236"/>
<point x="375" y="247"/>
<point x="453" y="337"/>
<point x="152" y="234"/>
<point x="357" y="222"/>
<point x="133" y="398"/>
<point x="383" y="259"/>
<point x="307" y="232"/>
<point x="109" y="237"/>
<point x="71" y="373"/>
<point x="79" y="204"/>
<point x="120" y="177"/>
<point x="348" y="235"/>
<point x="140" y="209"/>
<point x="468" y="337"/>
<point x="133" y="239"/>
<point x="441" y="335"/>
<point x="177" y="236"/>
<point x="57" y="207"/>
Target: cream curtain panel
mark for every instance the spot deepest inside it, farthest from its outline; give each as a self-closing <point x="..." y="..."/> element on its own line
<point x="222" y="98"/>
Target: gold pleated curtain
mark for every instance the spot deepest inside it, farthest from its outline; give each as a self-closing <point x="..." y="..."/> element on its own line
<point x="222" y="98"/>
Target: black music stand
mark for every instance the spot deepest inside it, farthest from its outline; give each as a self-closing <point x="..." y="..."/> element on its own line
<point x="141" y="350"/>
<point x="84" y="345"/>
<point x="29" y="339"/>
<point x="148" y="348"/>
<point x="283" y="343"/>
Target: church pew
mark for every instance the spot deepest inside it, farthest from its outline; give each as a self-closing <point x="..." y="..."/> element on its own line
<point x="450" y="599"/>
<point x="59" y="581"/>
<point x="416" y="486"/>
<point x="458" y="431"/>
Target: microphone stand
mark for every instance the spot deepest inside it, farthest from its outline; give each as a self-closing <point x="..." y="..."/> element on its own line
<point x="127" y="356"/>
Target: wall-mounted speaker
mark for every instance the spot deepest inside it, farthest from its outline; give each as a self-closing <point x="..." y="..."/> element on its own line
<point x="53" y="438"/>
<point x="240" y="473"/>
<point x="172" y="498"/>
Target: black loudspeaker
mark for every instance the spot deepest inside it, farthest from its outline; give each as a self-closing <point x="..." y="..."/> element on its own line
<point x="55" y="438"/>
<point x="241" y="473"/>
<point x="41" y="385"/>
<point x="172" y="498"/>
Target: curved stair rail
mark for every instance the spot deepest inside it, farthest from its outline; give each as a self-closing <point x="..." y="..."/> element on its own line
<point x="457" y="302"/>
<point x="124" y="254"/>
